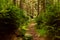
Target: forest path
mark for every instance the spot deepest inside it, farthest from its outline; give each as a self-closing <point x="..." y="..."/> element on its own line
<point x="33" y="32"/>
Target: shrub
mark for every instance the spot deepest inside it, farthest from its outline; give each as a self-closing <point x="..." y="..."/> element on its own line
<point x="50" y="20"/>
<point x="11" y="18"/>
<point x="27" y="37"/>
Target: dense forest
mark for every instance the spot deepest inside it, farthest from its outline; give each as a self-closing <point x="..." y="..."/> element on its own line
<point x="29" y="19"/>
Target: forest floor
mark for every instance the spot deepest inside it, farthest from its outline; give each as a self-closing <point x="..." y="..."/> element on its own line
<point x="33" y="32"/>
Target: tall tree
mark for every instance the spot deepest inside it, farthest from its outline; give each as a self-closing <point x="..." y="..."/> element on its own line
<point x="38" y="6"/>
<point x="43" y="3"/>
<point x="14" y="1"/>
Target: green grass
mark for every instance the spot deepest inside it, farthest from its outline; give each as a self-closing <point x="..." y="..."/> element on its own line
<point x="42" y="32"/>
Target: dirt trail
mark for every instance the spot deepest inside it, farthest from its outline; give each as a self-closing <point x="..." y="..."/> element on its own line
<point x="33" y="32"/>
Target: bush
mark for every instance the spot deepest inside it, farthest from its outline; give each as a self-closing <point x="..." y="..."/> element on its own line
<point x="27" y="37"/>
<point x="50" y="20"/>
<point x="11" y="18"/>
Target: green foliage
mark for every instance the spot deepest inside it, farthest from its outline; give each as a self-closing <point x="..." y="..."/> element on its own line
<point x="14" y="13"/>
<point x="5" y="3"/>
<point x="42" y="32"/>
<point x="50" y="20"/>
<point x="28" y="37"/>
<point x="11" y="17"/>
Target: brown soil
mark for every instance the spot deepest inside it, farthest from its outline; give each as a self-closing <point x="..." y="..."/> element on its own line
<point x="32" y="31"/>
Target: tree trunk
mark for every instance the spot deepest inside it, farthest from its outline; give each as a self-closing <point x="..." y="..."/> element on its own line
<point x="38" y="6"/>
<point x="14" y="1"/>
<point x="21" y="4"/>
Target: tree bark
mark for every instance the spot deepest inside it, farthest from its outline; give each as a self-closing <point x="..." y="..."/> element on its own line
<point x="38" y="6"/>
